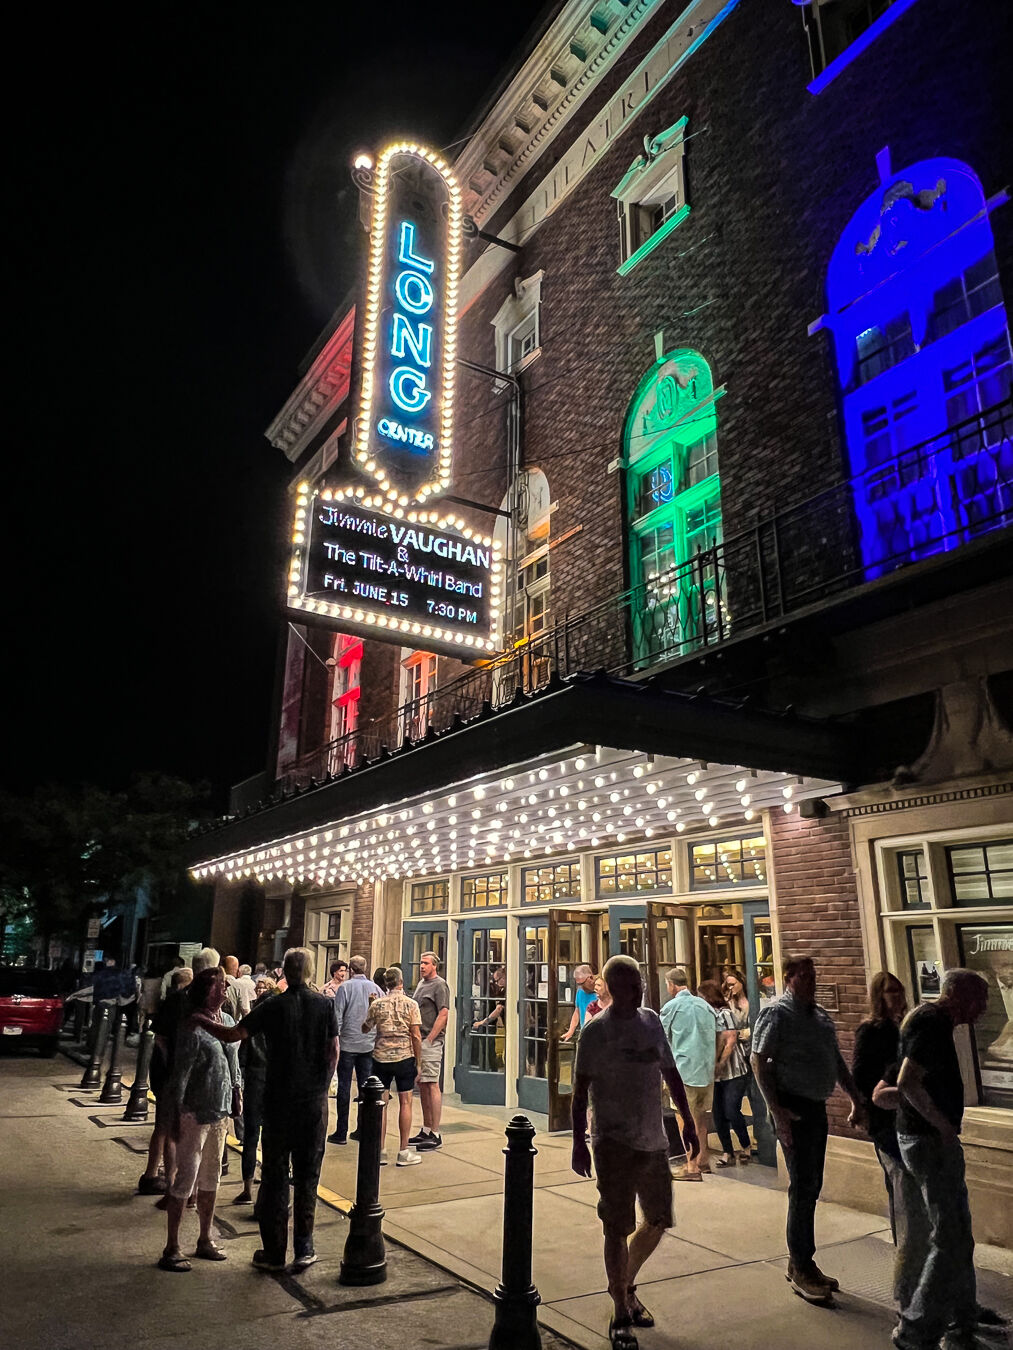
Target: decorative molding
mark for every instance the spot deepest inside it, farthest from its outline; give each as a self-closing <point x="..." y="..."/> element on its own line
<point x="550" y="86"/>
<point x="321" y="390"/>
<point x="900" y="803"/>
<point x="968" y="737"/>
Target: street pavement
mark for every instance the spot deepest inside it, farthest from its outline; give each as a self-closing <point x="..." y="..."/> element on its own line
<point x="79" y="1248"/>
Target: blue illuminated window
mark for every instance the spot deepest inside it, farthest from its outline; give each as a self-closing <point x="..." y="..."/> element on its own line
<point x="840" y="30"/>
<point x="924" y="363"/>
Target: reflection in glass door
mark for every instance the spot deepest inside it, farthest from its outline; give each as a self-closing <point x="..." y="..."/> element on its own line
<point x="418" y="937"/>
<point x="481" y="1007"/>
<point x="574" y="939"/>
<point x="533" y="1082"/>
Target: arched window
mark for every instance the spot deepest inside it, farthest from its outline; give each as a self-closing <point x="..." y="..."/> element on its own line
<point x="923" y="356"/>
<point x="673" y="504"/>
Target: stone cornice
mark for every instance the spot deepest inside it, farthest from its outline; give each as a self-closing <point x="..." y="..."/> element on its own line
<point x="575" y="53"/>
<point x="321" y="390"/>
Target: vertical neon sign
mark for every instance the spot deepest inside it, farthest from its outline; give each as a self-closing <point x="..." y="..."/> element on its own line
<point x="404" y="432"/>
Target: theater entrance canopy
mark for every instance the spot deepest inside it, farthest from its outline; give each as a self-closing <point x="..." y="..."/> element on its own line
<point x="584" y="763"/>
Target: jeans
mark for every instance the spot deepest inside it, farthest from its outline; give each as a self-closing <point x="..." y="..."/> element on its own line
<point x="297" y="1130"/>
<point x="348" y="1060"/>
<point x="253" y="1119"/>
<point x="902" y="1197"/>
<point x="938" y="1254"/>
<point x="728" y="1094"/>
<point x="805" y="1161"/>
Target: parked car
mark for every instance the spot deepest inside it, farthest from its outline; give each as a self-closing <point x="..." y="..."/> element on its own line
<point x="31" y="1007"/>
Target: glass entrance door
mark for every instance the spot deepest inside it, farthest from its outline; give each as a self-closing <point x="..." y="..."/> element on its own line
<point x="479" y="1075"/>
<point x="667" y="946"/>
<point x="418" y="936"/>
<point x="533" y="1079"/>
<point x="759" y="973"/>
<point x="575" y="938"/>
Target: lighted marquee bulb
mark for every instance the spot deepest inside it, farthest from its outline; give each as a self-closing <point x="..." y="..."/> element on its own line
<point x="680" y="826"/>
<point x="749" y="815"/>
<point x="788" y="791"/>
<point x="740" y="786"/>
<point x="700" y="793"/>
<point x="788" y="808"/>
<point x="746" y="799"/>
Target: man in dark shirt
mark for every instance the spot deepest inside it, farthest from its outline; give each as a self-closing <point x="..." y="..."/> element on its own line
<point x="300" y="1037"/>
<point x="939" y="1252"/>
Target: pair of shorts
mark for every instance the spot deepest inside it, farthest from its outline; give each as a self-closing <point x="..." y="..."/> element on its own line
<point x="432" y="1062"/>
<point x="198" y="1155"/>
<point x="700" y="1099"/>
<point x="400" y="1072"/>
<point x="626" y="1175"/>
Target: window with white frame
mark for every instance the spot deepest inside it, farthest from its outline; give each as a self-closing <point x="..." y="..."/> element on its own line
<point x="345" y="663"/>
<point x="651" y="198"/>
<point x="418" y="684"/>
<point x="518" y="326"/>
<point x="948" y="902"/>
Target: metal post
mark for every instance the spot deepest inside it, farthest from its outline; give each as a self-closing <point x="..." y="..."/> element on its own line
<point x="137" y="1103"/>
<point x="93" y="1074"/>
<point x="516" y="1298"/>
<point x="112" y="1092"/>
<point x="79" y="1021"/>
<point x="365" y="1260"/>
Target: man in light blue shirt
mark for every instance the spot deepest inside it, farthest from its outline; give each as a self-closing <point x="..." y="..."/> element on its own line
<point x="692" y="1030"/>
<point x="351" y="1005"/>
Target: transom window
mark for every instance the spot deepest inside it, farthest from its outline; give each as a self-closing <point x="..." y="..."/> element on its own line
<point x="728" y="862"/>
<point x="651" y="198"/>
<point x="430" y="897"/>
<point x="630" y="873"/>
<point x="484" y="892"/>
<point x="981" y="874"/>
<point x="549" y="884"/>
<point x="914" y="878"/>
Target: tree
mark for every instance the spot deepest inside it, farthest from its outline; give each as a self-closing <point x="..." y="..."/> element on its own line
<point x="71" y="850"/>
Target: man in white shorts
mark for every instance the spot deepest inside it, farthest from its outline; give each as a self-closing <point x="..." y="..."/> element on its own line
<point x="432" y="994"/>
<point x="622" y="1056"/>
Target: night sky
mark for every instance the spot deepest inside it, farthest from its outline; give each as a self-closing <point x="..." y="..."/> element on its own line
<point x="186" y="226"/>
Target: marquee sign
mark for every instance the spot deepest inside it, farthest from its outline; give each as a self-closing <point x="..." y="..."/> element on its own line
<point x="405" y="425"/>
<point x="422" y="577"/>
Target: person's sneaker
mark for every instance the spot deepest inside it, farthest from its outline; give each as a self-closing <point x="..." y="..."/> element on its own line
<point x="383" y="1157"/>
<point x="807" y="1286"/>
<point x="305" y="1261"/>
<point x="336" y="1138"/>
<point x="418" y="1138"/>
<point x="355" y="1135"/>
<point x="829" y="1280"/>
<point x="430" y="1142"/>
<point x="988" y="1317"/>
<point x="262" y="1261"/>
<point x="407" y="1157"/>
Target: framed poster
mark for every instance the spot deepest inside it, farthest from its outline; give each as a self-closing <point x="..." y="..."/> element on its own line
<point x="926" y="966"/>
<point x="987" y="949"/>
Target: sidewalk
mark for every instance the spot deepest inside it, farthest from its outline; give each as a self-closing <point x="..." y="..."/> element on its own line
<point x="717" y="1280"/>
<point x="79" y="1248"/>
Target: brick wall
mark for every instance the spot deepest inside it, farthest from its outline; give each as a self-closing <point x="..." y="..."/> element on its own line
<point x="361" y="940"/>
<point x="818" y="915"/>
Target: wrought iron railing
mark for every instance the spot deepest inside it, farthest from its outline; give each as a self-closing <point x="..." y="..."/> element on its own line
<point x="928" y="499"/>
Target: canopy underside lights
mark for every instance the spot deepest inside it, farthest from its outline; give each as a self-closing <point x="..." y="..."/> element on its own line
<point x="583" y="798"/>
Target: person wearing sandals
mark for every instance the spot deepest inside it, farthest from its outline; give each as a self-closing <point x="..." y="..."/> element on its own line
<point x="620" y="1056"/>
<point x="203" y="1090"/>
<point x="731" y="1076"/>
<point x="253" y="1063"/>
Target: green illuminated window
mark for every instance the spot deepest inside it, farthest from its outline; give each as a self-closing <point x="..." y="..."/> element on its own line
<point x="674" y="507"/>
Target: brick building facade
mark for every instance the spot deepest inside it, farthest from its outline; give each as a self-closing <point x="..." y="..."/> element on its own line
<point x="733" y="248"/>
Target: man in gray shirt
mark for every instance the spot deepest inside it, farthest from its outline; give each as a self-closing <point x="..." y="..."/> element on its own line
<point x="797" y="1063"/>
<point x="351" y="1005"/>
<point x="432" y="994"/>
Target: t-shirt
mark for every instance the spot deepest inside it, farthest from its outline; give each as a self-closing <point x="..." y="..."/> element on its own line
<point x="877" y="1047"/>
<point x="391" y="1016"/>
<point x="692" y="1028"/>
<point x="801" y="1041"/>
<point x="927" y="1039"/>
<point x="735" y="1066"/>
<point x="623" y="1058"/>
<point x="299" y="1028"/>
<point x="432" y="996"/>
<point x="583" y="1001"/>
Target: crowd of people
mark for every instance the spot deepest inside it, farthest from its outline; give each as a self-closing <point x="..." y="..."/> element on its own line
<point x="906" y="1091"/>
<point x="262" y="1048"/>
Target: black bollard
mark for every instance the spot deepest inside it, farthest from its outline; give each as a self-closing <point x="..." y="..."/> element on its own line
<point x="93" y="1073"/>
<point x="79" y="1021"/>
<point x="112" y="1092"/>
<point x="137" y="1103"/>
<point x="516" y="1298"/>
<point x="365" y="1260"/>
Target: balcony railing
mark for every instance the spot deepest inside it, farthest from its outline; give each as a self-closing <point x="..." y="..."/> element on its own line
<point x="929" y="499"/>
